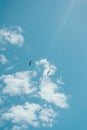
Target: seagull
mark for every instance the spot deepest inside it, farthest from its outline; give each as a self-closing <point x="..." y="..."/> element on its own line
<point x="30" y="62"/>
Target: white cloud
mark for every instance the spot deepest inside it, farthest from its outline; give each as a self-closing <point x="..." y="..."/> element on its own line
<point x="49" y="91"/>
<point x="18" y="83"/>
<point x="29" y="114"/>
<point x="16" y="127"/>
<point x="47" y="116"/>
<point x="12" y="35"/>
<point x="20" y="127"/>
<point x="43" y="90"/>
<point x="23" y="114"/>
<point x="3" y="59"/>
<point x="47" y="67"/>
<point x="9" y="68"/>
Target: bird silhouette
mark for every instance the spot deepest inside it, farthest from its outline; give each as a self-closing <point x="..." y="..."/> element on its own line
<point x="48" y="72"/>
<point x="30" y="62"/>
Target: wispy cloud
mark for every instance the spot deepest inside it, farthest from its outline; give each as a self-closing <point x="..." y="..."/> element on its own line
<point x="66" y="16"/>
<point x="12" y="35"/>
<point x="3" y="59"/>
<point x="9" y="68"/>
<point x="59" y="81"/>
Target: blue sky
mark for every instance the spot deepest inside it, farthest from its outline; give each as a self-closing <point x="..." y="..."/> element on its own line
<point x="51" y="33"/>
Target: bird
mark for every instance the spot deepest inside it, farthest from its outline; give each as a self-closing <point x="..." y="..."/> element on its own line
<point x="30" y="62"/>
<point x="48" y="72"/>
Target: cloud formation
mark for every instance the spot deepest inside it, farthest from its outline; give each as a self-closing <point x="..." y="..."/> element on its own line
<point x="49" y="91"/>
<point x="31" y="114"/>
<point x="46" y="67"/>
<point x="3" y="59"/>
<point x="18" y="127"/>
<point x="12" y="35"/>
<point x="18" y="83"/>
<point x="42" y="93"/>
<point x="22" y="114"/>
<point x="47" y="116"/>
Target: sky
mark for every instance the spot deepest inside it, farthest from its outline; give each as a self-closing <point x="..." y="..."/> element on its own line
<point x="51" y="93"/>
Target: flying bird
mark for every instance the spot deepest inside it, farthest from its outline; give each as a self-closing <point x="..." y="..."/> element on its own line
<point x="30" y="62"/>
<point x="48" y="72"/>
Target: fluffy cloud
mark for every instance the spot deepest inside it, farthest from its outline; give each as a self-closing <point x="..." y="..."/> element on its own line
<point x="18" y="83"/>
<point x="3" y="59"/>
<point x="12" y="35"/>
<point x="47" y="116"/>
<point x="49" y="91"/>
<point x="23" y="114"/>
<point x="31" y="114"/>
